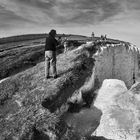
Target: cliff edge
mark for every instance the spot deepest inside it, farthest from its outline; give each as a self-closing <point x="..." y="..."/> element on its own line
<point x="32" y="108"/>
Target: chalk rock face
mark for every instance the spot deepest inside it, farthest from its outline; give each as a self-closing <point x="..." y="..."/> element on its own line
<point x="135" y="93"/>
<point x="120" y="111"/>
<point x="135" y="90"/>
<point x="117" y="62"/>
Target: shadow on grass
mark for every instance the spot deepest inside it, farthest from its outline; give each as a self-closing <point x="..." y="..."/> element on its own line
<point x="61" y="73"/>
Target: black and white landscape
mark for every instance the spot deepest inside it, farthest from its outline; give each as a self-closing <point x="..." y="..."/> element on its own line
<point x="96" y="95"/>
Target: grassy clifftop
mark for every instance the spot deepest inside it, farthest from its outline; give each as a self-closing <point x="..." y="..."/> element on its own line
<point x="24" y="53"/>
<point x="26" y="37"/>
<point x="22" y="95"/>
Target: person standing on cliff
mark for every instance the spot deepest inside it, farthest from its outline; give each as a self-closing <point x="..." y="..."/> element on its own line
<point x="50" y="54"/>
<point x="92" y="36"/>
<point x="65" y="45"/>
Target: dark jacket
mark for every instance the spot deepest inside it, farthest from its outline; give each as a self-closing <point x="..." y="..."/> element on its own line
<point x="51" y="43"/>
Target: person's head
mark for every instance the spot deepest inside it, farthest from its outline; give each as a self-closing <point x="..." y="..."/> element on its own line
<point x="52" y="33"/>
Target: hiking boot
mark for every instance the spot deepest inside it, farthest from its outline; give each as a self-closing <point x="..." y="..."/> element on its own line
<point x="48" y="77"/>
<point x="55" y="76"/>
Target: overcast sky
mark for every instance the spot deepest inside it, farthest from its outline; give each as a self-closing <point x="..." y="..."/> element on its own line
<point x="118" y="19"/>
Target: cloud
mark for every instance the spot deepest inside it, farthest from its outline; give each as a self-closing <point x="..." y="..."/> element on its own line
<point x="85" y="11"/>
<point x="133" y="4"/>
<point x="24" y="10"/>
<point x="10" y="20"/>
<point x="65" y="13"/>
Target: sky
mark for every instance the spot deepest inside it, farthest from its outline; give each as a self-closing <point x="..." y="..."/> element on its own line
<point x="118" y="19"/>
